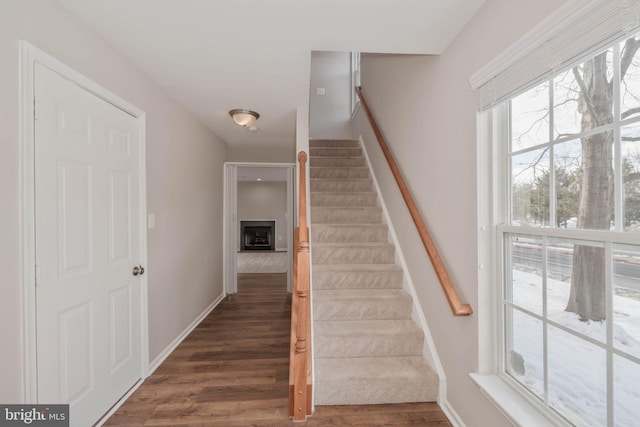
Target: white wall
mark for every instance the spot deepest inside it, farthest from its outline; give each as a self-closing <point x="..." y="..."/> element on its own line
<point x="329" y="114"/>
<point x="268" y="154"/>
<point x="184" y="181"/>
<point x="265" y="201"/>
<point x="428" y="114"/>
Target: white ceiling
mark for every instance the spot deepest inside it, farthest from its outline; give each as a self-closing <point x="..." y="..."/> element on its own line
<point x="216" y="55"/>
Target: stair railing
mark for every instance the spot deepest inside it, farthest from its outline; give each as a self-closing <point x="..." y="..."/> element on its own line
<point x="457" y="307"/>
<point x="300" y="384"/>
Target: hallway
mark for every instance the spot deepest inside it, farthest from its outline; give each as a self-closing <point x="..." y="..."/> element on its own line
<point x="233" y="369"/>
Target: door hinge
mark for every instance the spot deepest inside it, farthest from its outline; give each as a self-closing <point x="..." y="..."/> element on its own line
<point x="35" y="109"/>
<point x="37" y="273"/>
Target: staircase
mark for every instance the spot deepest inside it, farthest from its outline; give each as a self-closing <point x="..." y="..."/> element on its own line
<point x="367" y="348"/>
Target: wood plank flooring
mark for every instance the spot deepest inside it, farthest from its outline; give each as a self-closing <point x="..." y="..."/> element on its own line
<point x="232" y="371"/>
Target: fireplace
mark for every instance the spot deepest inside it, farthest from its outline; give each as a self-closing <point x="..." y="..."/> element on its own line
<point x="257" y="235"/>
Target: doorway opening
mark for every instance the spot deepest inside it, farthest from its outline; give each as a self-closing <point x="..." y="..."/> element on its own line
<point x="258" y="220"/>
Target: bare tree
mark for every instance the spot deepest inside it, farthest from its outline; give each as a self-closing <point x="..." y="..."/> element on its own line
<point x="595" y="104"/>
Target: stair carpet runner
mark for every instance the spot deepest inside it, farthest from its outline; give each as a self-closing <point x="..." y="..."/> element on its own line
<point x="367" y="348"/>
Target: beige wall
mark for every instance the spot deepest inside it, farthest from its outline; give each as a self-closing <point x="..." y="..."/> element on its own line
<point x="184" y="181"/>
<point x="265" y="201"/>
<point x="329" y="114"/>
<point x="428" y="113"/>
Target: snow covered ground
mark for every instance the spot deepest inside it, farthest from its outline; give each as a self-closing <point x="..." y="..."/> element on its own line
<point x="577" y="369"/>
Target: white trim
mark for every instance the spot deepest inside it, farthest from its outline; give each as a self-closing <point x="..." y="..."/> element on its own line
<point x="155" y="364"/>
<point x="119" y="403"/>
<point x="519" y="410"/>
<point x="451" y="413"/>
<point x="429" y="347"/>
<point x="571" y="11"/>
<point x="229" y="251"/>
<point x="29" y="56"/>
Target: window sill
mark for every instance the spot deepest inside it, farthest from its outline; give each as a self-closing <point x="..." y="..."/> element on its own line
<point x="515" y="407"/>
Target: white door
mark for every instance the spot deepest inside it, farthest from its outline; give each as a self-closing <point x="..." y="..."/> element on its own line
<point x="87" y="244"/>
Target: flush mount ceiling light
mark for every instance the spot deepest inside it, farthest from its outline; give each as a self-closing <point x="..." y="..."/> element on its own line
<point x="245" y="118"/>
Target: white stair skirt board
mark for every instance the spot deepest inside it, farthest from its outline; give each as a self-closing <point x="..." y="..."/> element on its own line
<point x="262" y="262"/>
<point x="367" y="348"/>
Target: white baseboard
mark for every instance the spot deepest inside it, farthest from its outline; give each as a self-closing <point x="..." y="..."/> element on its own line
<point x="119" y="403"/>
<point x="451" y="413"/>
<point x="176" y="342"/>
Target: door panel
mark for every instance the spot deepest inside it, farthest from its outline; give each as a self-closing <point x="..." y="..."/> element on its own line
<point x="87" y="243"/>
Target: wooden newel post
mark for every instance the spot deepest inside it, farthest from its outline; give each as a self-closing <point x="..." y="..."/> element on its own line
<point x="301" y="399"/>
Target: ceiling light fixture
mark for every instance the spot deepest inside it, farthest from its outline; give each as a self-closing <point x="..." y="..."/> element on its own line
<point x="245" y="118"/>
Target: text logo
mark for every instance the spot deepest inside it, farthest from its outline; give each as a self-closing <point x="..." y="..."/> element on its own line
<point x="34" y="415"/>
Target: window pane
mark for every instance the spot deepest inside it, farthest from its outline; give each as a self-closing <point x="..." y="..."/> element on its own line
<point x="630" y="83"/>
<point x="568" y="160"/>
<point x="583" y="97"/>
<point x="524" y="354"/>
<point x="626" y="392"/>
<point x="575" y="287"/>
<point x="530" y="118"/>
<point x="626" y="301"/>
<point x="530" y="189"/>
<point x="577" y="379"/>
<point x="565" y="105"/>
<point x="630" y="148"/>
<point x="526" y="273"/>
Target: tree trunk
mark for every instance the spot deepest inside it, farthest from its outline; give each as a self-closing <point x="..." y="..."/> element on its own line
<point x="587" y="296"/>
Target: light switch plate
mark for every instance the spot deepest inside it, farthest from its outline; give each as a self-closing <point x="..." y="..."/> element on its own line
<point x="151" y="221"/>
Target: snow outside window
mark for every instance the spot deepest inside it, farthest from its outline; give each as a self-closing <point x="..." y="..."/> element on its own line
<point x="570" y="244"/>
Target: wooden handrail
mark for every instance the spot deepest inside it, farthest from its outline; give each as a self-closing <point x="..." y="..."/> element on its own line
<point x="457" y="307"/>
<point x="300" y="385"/>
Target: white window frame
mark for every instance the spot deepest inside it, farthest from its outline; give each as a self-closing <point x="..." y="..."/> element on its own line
<point x="494" y="188"/>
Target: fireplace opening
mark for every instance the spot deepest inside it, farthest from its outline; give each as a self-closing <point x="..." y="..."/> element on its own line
<point x="257" y="235"/>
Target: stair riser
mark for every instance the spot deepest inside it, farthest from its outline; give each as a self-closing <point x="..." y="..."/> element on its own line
<point x="371" y="392"/>
<point x="332" y="309"/>
<point x="337" y="162"/>
<point x="357" y="280"/>
<point x="341" y="186"/>
<point x="345" y="216"/>
<point x="339" y="173"/>
<point x="406" y="343"/>
<point x="323" y="233"/>
<point x="331" y="255"/>
<point x="348" y="143"/>
<point x="335" y="152"/>
<point x="344" y="200"/>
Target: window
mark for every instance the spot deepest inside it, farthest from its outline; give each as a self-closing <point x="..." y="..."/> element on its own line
<point x="355" y="79"/>
<point x="569" y="239"/>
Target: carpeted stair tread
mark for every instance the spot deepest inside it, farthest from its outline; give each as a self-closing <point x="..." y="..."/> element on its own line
<point x="341" y="185"/>
<point x="335" y="162"/>
<point x="361" y="304"/>
<point x="339" y="172"/>
<point x="374" y="380"/>
<point x="343" y="199"/>
<point x="357" y="276"/>
<point x="353" y="252"/>
<point x="323" y="233"/>
<point x="333" y="143"/>
<point x="339" y="215"/>
<point x="367" y="338"/>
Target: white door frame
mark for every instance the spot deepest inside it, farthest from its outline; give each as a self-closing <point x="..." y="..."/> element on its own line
<point x="230" y="231"/>
<point x="29" y="56"/>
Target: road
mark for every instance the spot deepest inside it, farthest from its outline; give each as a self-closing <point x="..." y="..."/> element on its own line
<point x="626" y="274"/>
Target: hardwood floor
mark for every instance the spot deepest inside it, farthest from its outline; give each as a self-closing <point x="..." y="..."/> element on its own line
<point x="232" y="371"/>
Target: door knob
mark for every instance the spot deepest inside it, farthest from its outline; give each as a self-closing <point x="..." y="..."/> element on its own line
<point x="141" y="270"/>
<point x="136" y="270"/>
